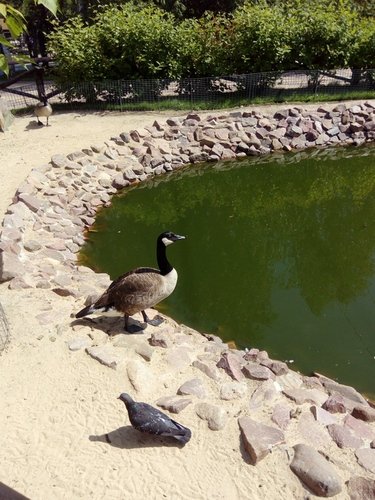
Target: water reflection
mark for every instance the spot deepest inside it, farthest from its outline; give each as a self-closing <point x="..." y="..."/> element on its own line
<point x="280" y="253"/>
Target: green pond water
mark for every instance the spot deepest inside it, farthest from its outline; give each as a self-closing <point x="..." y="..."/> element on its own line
<point x="280" y="254"/>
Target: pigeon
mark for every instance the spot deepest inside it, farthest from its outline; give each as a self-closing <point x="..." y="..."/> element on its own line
<point x="145" y="418"/>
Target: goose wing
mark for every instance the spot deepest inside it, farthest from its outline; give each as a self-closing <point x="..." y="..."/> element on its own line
<point x="134" y="287"/>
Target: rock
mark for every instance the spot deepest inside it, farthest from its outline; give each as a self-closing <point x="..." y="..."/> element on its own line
<point x="233" y="390"/>
<point x="301" y="396"/>
<point x="230" y="364"/>
<point x="267" y="391"/>
<point x="173" y="403"/>
<point x="335" y="404"/>
<point x="365" y="413"/>
<point x="281" y="415"/>
<point x="323" y="416"/>
<point x="343" y="436"/>
<point x="315" y="471"/>
<point x="159" y="340"/>
<point x="10" y="266"/>
<point x="139" y="374"/>
<point x="105" y="354"/>
<point x="79" y="343"/>
<point x="366" y="458"/>
<point x="345" y="390"/>
<point x="361" y="488"/>
<point x="215" y="416"/>
<point x="178" y="357"/>
<point x="193" y="387"/>
<point x="277" y="367"/>
<point x="144" y="350"/>
<point x="258" y="438"/>
<point x="6" y="116"/>
<point x="360" y="428"/>
<point x="207" y="368"/>
<point x="312" y="431"/>
<point x="257" y="372"/>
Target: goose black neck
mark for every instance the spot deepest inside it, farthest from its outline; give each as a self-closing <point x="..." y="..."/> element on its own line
<point x="161" y="256"/>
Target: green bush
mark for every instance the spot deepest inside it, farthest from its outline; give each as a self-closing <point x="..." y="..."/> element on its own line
<point x="133" y="42"/>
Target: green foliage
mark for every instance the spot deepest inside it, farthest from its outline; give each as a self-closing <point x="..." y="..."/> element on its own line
<point x="260" y="38"/>
<point x="135" y="42"/>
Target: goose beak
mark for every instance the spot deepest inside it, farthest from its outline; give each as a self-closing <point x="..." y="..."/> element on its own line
<point x="178" y="237"/>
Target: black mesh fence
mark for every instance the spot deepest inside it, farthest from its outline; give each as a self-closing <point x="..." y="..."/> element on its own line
<point x="133" y="94"/>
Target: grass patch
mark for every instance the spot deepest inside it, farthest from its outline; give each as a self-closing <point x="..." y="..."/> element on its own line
<point x="175" y="104"/>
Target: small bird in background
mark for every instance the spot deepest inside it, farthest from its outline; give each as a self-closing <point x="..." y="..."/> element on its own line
<point x="43" y="109"/>
<point x="148" y="419"/>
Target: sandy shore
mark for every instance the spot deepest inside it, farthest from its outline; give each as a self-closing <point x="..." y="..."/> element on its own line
<point x="58" y="406"/>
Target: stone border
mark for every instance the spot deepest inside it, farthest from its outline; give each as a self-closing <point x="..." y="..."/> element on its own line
<point x="43" y="227"/>
<point x="43" y="230"/>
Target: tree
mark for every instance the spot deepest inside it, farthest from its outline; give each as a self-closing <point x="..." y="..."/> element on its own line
<point x="16" y="23"/>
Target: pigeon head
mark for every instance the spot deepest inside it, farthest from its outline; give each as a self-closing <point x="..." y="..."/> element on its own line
<point x="125" y="398"/>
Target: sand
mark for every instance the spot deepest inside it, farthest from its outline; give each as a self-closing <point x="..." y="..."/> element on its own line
<point x="58" y="406"/>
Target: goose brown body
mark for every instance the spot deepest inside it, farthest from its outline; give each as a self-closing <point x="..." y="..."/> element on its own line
<point x="139" y="289"/>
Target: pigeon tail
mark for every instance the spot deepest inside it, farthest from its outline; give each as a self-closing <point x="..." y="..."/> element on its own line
<point x="183" y="438"/>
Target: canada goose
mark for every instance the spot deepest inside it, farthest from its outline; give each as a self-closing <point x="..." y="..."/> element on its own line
<point x="43" y="109"/>
<point x="146" y="418"/>
<point x="140" y="288"/>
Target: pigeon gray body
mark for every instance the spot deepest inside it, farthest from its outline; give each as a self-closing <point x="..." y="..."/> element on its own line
<point x="150" y="420"/>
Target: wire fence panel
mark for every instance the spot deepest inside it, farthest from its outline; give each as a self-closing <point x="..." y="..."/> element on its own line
<point x="120" y="94"/>
<point x="4" y="329"/>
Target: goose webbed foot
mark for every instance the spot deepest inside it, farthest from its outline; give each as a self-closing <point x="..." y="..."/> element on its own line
<point x="135" y="327"/>
<point x="158" y="320"/>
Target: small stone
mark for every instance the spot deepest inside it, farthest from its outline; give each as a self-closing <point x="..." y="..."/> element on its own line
<point x="323" y="416"/>
<point x="365" y="413"/>
<point x="366" y="458"/>
<point x="107" y="355"/>
<point x="178" y="357"/>
<point x="345" y="390"/>
<point x="259" y="438"/>
<point x="233" y="390"/>
<point x="173" y="404"/>
<point x="210" y="370"/>
<point x="139" y="374"/>
<point x="315" y="471"/>
<point x="159" y="340"/>
<point x="312" y="431"/>
<point x="361" y="488"/>
<point x="301" y="396"/>
<point x="335" y="404"/>
<point x="281" y="415"/>
<point x="267" y="391"/>
<point x="230" y="364"/>
<point x="79" y="343"/>
<point x="343" y="436"/>
<point x="144" y="350"/>
<point x="215" y="416"/>
<point x="278" y="367"/>
<point x="256" y="372"/>
<point x="193" y="387"/>
<point x="360" y="428"/>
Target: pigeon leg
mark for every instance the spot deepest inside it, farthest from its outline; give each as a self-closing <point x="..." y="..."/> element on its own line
<point x="153" y="322"/>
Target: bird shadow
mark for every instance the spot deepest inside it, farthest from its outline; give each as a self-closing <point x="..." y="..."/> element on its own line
<point x="33" y="125"/>
<point x="111" y="326"/>
<point x="128" y="438"/>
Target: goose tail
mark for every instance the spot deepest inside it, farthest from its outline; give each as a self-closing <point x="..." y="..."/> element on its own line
<point x="85" y="311"/>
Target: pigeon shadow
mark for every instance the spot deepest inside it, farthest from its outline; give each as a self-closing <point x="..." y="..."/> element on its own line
<point x="128" y="438"/>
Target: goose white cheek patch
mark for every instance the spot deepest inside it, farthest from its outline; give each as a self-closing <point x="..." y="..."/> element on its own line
<point x="166" y="241"/>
